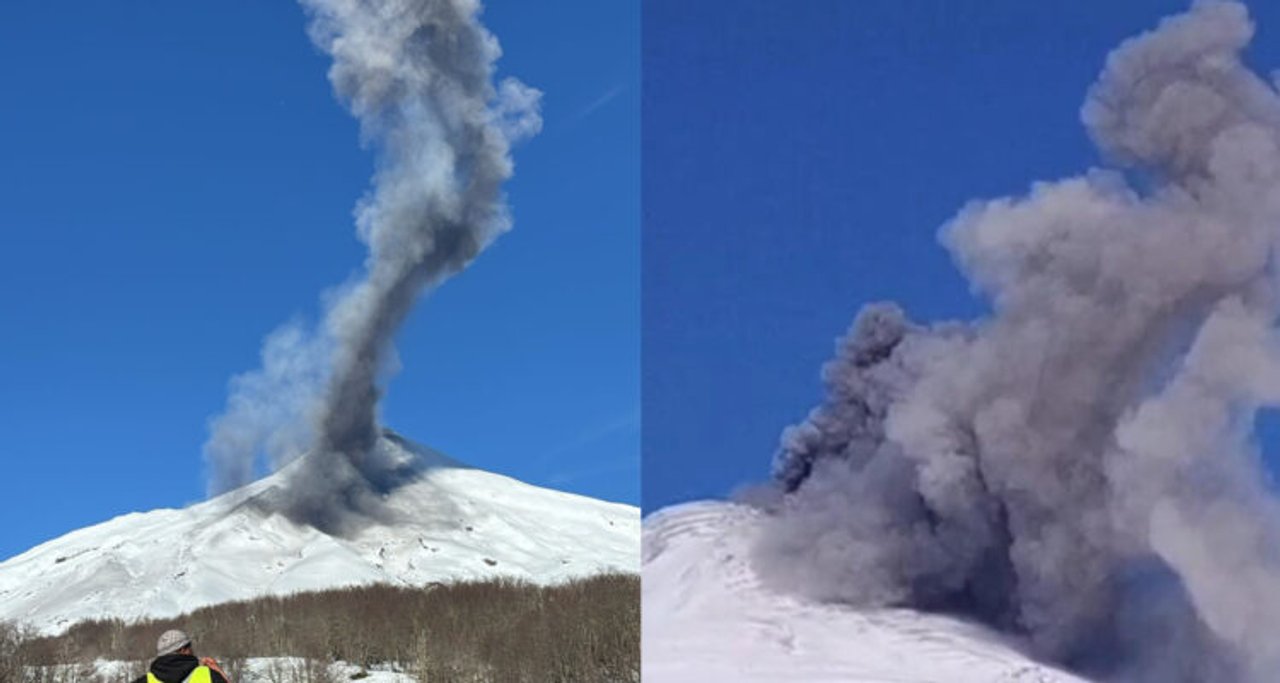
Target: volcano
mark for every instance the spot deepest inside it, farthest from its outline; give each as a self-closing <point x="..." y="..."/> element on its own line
<point x="444" y="522"/>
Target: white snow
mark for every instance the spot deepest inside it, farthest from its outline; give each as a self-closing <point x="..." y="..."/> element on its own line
<point x="252" y="670"/>
<point x="288" y="669"/>
<point x="707" y="618"/>
<point x="452" y="523"/>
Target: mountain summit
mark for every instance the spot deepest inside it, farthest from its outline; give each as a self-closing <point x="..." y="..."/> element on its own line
<point x="444" y="522"/>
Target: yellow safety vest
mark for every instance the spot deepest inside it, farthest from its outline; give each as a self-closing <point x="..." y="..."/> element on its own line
<point x="199" y="675"/>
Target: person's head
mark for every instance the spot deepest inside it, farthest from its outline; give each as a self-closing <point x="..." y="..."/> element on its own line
<point x="173" y="642"/>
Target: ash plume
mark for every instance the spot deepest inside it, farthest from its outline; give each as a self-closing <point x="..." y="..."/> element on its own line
<point x="1080" y="467"/>
<point x="419" y="76"/>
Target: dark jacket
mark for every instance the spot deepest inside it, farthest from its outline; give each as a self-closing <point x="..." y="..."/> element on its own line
<point x="176" y="668"/>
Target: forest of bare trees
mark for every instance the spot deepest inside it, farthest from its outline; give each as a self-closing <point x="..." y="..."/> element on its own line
<point x="497" y="630"/>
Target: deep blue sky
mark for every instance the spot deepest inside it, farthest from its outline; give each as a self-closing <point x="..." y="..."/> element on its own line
<point x="799" y="158"/>
<point x="176" y="180"/>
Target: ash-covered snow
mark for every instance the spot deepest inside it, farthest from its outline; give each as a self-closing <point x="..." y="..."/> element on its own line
<point x="450" y="522"/>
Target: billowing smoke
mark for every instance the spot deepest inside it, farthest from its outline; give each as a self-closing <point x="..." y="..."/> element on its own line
<point x="418" y="74"/>
<point x="1080" y="467"/>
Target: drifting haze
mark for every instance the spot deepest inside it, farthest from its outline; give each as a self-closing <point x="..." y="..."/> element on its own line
<point x="1079" y="467"/>
<point x="418" y="74"/>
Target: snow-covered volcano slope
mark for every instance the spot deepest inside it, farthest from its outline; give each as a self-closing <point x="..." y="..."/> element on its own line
<point x="706" y="618"/>
<point x="452" y="522"/>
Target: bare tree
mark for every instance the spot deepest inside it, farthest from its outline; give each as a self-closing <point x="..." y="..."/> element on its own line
<point x="12" y="662"/>
<point x="587" y="630"/>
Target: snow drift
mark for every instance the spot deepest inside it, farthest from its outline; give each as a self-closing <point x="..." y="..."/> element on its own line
<point x="1078" y="468"/>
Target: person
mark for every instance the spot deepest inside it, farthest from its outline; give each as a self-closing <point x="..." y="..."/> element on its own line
<point x="176" y="662"/>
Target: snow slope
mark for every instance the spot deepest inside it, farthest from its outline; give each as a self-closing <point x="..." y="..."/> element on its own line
<point x="453" y="523"/>
<point x="706" y="617"/>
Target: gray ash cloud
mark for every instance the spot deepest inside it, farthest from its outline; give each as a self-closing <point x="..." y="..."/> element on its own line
<point x="1079" y="467"/>
<point x="419" y="76"/>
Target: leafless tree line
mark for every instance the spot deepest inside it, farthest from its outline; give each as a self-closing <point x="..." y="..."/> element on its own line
<point x="496" y="630"/>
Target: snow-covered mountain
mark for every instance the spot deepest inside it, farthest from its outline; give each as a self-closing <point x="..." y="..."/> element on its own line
<point x="453" y="523"/>
<point x="707" y="618"/>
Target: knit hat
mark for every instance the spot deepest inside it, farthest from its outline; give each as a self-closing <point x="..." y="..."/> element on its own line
<point x="171" y="641"/>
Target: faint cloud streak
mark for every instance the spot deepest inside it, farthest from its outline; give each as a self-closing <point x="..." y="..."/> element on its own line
<point x="599" y="102"/>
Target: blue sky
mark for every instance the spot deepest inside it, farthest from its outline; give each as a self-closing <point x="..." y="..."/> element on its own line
<point x="176" y="180"/>
<point x="798" y="161"/>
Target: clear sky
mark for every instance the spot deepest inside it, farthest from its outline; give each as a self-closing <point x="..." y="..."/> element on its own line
<point x="176" y="180"/>
<point x="799" y="158"/>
